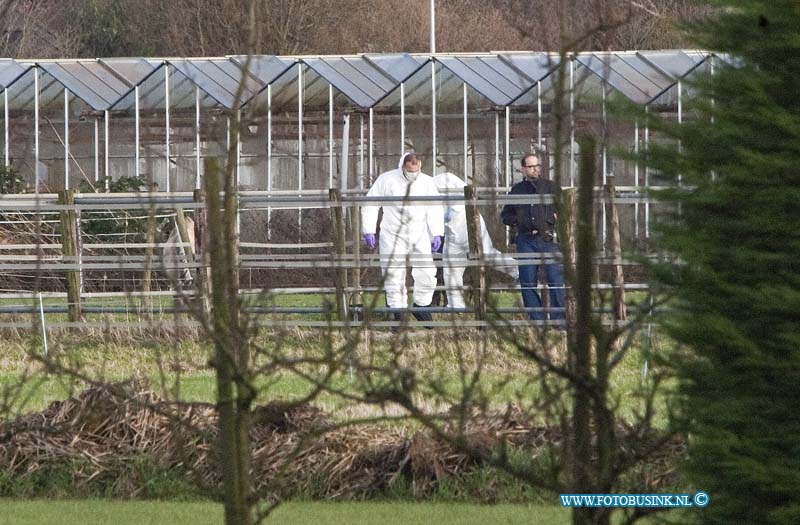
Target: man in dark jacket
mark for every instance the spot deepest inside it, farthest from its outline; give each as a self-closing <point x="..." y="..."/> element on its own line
<point x="536" y="224"/>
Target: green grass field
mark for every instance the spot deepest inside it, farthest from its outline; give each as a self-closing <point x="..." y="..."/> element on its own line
<point x="87" y="512"/>
<point x="178" y="369"/>
<point x="176" y="366"/>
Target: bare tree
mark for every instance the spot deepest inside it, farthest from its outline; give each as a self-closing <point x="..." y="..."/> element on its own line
<point x="36" y="28"/>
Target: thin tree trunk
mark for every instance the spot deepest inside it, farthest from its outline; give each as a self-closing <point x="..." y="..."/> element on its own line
<point x="230" y="361"/>
<point x="582" y="350"/>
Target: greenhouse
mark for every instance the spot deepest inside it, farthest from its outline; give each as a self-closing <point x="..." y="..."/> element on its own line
<point x="67" y="121"/>
<point x="312" y="123"/>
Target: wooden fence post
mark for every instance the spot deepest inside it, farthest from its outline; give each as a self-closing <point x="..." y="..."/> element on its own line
<point x="202" y="275"/>
<point x="620" y="312"/>
<point x="69" y="244"/>
<point x="148" y="254"/>
<point x="337" y="219"/>
<point x="355" y="233"/>
<point x="569" y="200"/>
<point x="476" y="252"/>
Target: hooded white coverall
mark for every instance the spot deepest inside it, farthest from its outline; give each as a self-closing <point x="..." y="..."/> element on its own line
<point x="406" y="233"/>
<point x="456" y="243"/>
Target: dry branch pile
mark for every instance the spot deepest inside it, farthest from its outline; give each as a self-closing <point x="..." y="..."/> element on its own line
<point x="297" y="449"/>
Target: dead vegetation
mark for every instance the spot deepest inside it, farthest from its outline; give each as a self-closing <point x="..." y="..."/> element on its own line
<point x="296" y="449"/>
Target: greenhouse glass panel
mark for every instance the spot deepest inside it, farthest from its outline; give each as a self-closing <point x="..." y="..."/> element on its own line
<point x="81" y="86"/>
<point x="399" y="67"/>
<point x="10" y="71"/>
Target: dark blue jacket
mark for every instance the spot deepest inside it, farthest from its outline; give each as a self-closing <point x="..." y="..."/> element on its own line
<point x="530" y="218"/>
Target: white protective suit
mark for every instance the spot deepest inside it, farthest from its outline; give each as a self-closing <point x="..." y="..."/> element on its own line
<point x="456" y="243"/>
<point x="406" y="233"/>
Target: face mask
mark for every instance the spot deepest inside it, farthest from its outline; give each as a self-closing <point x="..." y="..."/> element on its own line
<point x="411" y="176"/>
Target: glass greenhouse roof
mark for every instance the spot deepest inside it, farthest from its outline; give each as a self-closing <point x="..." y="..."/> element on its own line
<point x="360" y="81"/>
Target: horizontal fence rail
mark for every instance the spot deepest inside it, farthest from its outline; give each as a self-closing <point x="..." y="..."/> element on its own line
<point x="135" y="261"/>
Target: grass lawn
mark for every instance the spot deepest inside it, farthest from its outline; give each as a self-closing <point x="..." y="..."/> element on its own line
<point x="179" y="368"/>
<point x="74" y="512"/>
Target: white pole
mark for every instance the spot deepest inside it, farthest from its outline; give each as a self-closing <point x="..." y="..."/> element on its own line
<point x="136" y="154"/>
<point x="330" y="135"/>
<point x="433" y="27"/>
<point x="361" y="153"/>
<point x="269" y="157"/>
<point x="539" y="115"/>
<point x="467" y="173"/>
<point x="605" y="170"/>
<point x="605" y="139"/>
<point x="713" y="106"/>
<point x="636" y="178"/>
<point x="96" y="149"/>
<point x="269" y="137"/>
<point x="166" y="122"/>
<point x="300" y="126"/>
<point x="106" y="117"/>
<point x="44" y="329"/>
<point x="713" y="100"/>
<point x="680" y="121"/>
<point x="299" y="144"/>
<point x="345" y="165"/>
<point x="371" y="145"/>
<point x="402" y="117"/>
<point x="238" y="134"/>
<point x="497" y="149"/>
<point x="571" y="123"/>
<point x="197" y="137"/>
<point x="646" y="178"/>
<point x="36" y="126"/>
<point x="433" y="116"/>
<point x="66" y="139"/>
<point x="508" y="146"/>
<point x="5" y="120"/>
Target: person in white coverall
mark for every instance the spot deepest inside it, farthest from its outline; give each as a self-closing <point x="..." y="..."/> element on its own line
<point x="410" y="232"/>
<point x="456" y="242"/>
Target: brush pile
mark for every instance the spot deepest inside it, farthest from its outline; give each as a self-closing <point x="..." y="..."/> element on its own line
<point x="297" y="449"/>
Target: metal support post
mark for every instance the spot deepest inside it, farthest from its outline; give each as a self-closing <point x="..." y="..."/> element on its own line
<point x="166" y="125"/>
<point x="497" y="149"/>
<point x="299" y="145"/>
<point x="5" y="125"/>
<point x="636" y="179"/>
<point x="433" y="118"/>
<point x="402" y="117"/>
<point x="371" y="145"/>
<point x="196" y="138"/>
<point x="66" y="139"/>
<point x="330" y="135"/>
<point x="646" y="178"/>
<point x="508" y="147"/>
<point x="36" y="127"/>
<point x="539" y="115"/>
<point x="107" y="173"/>
<point x="136" y="153"/>
<point x="269" y="158"/>
<point x="467" y="176"/>
<point x="571" y="123"/>
<point x="96" y="149"/>
<point x="361" y="152"/>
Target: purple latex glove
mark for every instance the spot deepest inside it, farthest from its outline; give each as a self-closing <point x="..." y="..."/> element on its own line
<point x="436" y="243"/>
<point x="369" y="240"/>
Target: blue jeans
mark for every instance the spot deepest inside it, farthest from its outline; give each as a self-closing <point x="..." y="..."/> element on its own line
<point x="528" y="278"/>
